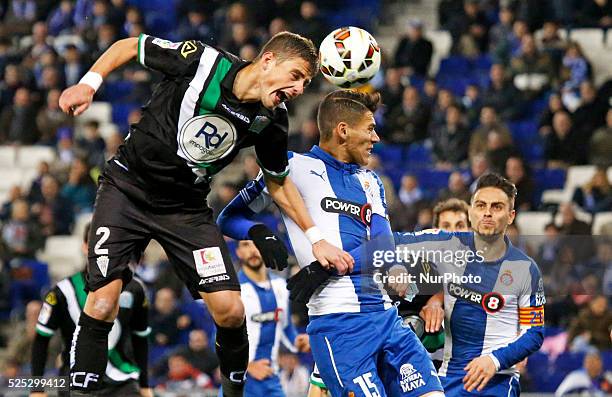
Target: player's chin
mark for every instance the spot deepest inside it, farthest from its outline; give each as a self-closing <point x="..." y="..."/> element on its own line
<point x="365" y="157"/>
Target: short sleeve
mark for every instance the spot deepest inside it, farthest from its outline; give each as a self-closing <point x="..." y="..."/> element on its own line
<point x="532" y="299"/>
<point x="164" y="56"/>
<point x="271" y="148"/>
<point x="50" y="316"/>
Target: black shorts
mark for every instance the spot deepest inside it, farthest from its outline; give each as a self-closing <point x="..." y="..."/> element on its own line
<point x="122" y="227"/>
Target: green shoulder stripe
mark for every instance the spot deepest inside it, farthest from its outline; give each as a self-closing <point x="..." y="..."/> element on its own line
<point x="212" y="91"/>
<point x="79" y="285"/>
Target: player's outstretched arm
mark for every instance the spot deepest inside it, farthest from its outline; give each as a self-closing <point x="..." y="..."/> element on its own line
<point x="286" y="195"/>
<point x="76" y="99"/>
<point x="236" y="222"/>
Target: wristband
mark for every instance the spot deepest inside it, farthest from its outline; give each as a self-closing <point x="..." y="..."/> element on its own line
<point x="314" y="235"/>
<point x="92" y="79"/>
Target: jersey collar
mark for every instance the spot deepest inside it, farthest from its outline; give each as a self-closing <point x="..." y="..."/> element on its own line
<point x="243" y="278"/>
<point x="334" y="162"/>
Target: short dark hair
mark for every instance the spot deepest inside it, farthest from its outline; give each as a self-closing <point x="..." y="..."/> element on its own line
<point x="287" y="45"/>
<point x="344" y="106"/>
<point x="452" y="204"/>
<point x="497" y="181"/>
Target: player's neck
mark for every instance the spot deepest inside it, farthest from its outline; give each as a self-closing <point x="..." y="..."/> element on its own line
<point x="257" y="275"/>
<point x="492" y="248"/>
<point x="336" y="151"/>
<point x="247" y="84"/>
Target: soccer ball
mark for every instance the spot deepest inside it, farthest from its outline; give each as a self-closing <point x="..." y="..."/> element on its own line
<point x="349" y="57"/>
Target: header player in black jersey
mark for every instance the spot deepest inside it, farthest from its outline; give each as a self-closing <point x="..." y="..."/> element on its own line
<point x="126" y="366"/>
<point x="209" y="105"/>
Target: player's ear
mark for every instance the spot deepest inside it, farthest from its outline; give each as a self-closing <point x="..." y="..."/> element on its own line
<point x="267" y="60"/>
<point x="342" y="129"/>
<point x="511" y="217"/>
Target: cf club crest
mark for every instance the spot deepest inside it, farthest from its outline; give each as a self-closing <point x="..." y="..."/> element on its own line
<point x="207" y="138"/>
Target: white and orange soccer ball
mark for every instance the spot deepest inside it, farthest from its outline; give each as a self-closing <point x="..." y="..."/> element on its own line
<point x="349" y="57"/>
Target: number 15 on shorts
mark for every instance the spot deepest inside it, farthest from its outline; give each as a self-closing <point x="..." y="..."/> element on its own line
<point x="365" y="382"/>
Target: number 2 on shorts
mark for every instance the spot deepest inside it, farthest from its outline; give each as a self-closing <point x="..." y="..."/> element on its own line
<point x="105" y="232"/>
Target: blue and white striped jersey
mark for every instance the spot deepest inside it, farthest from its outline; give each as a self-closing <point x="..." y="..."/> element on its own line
<point x="268" y="317"/>
<point x="492" y="308"/>
<point x="348" y="205"/>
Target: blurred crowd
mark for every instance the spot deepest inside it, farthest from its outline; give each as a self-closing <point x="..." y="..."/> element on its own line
<point x="501" y="74"/>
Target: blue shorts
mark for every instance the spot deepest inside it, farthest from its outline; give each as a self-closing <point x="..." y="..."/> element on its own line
<point x="370" y="354"/>
<point x="499" y="385"/>
<point x="269" y="387"/>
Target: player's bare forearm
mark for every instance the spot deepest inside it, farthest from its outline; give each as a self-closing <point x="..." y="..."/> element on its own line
<point x="286" y="195"/>
<point x="118" y="54"/>
<point x="76" y="99"/>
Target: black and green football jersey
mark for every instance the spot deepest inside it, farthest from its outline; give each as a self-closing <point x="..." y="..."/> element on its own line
<point x="194" y="125"/>
<point x="61" y="310"/>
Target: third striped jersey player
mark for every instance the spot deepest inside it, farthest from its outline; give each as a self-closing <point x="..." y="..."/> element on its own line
<point x="494" y="295"/>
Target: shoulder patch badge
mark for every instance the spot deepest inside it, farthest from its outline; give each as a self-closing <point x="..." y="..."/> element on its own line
<point x="189" y="47"/>
<point x="51" y="298"/>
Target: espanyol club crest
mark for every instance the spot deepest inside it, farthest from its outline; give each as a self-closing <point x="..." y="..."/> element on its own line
<point x="506" y="278"/>
<point x="207" y="138"/>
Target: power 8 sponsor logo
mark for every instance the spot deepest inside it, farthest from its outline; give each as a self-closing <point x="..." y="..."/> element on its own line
<point x="275" y="316"/>
<point x="362" y="213"/>
<point x="491" y="302"/>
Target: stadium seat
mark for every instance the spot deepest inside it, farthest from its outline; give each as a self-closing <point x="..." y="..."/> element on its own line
<point x="588" y="37"/>
<point x="10" y="177"/>
<point x="454" y="66"/>
<point x="553" y="196"/>
<point x="99" y="111"/>
<point x="108" y="129"/>
<point x="483" y="63"/>
<point x="581" y="215"/>
<point x="533" y="152"/>
<point x="63" y="254"/>
<point x="117" y="90"/>
<point x="532" y="223"/>
<point x="81" y="220"/>
<point x="8" y="155"/>
<point x="432" y="180"/>
<point x="549" y="178"/>
<point x="419" y="156"/>
<point x="577" y="175"/>
<point x="120" y="114"/>
<point x="390" y="154"/>
<point x="456" y="84"/>
<point x="599" y="221"/>
<point x="31" y="156"/>
<point x="63" y="40"/>
<point x="442" y="42"/>
<point x="524" y="130"/>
